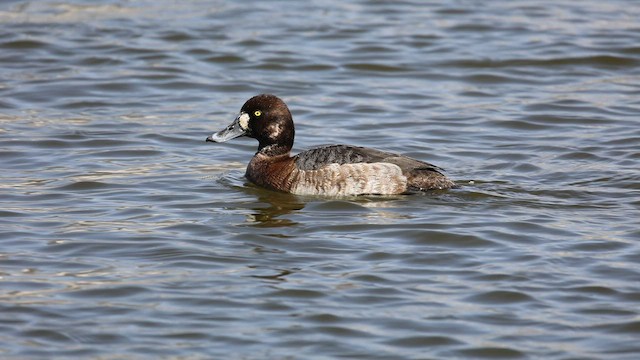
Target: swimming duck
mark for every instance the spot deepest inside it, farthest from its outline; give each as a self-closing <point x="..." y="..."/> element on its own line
<point x="333" y="170"/>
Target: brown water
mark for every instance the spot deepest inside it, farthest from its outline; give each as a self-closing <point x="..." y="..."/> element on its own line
<point x="124" y="235"/>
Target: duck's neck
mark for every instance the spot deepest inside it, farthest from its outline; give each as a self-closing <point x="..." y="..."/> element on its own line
<point x="273" y="150"/>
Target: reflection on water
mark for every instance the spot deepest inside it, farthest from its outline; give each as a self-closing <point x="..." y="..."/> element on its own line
<point x="277" y="205"/>
<point x="124" y="235"/>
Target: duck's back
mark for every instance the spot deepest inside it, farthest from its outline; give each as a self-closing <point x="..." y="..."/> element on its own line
<point x="419" y="175"/>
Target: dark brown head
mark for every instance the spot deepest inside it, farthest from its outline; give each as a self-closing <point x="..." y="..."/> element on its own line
<point x="265" y="118"/>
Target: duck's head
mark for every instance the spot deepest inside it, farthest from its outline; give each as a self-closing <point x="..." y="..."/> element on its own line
<point x="265" y="118"/>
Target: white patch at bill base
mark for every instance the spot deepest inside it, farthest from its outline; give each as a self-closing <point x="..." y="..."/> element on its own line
<point x="243" y="121"/>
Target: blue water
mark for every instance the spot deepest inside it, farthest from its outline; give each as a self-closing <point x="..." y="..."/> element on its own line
<point x="124" y="235"/>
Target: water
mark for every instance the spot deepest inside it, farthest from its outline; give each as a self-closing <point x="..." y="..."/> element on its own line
<point x="125" y="235"/>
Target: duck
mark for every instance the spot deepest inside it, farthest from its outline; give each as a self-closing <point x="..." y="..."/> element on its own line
<point x="329" y="170"/>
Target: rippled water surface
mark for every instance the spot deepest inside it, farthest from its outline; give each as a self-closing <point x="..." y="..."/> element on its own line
<point x="124" y="235"/>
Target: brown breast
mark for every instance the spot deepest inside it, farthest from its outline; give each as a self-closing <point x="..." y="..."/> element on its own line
<point x="271" y="172"/>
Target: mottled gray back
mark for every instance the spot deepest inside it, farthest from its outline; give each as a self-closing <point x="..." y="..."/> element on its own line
<point x="316" y="158"/>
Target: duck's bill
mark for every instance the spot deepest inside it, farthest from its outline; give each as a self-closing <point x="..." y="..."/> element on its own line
<point x="234" y="130"/>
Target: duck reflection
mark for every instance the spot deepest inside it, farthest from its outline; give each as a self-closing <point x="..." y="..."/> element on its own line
<point x="271" y="206"/>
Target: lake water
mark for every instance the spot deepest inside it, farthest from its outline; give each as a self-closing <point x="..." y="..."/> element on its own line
<point x="123" y="235"/>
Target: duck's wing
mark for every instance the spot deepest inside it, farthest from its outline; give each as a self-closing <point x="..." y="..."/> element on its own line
<point x="366" y="166"/>
<point x="319" y="157"/>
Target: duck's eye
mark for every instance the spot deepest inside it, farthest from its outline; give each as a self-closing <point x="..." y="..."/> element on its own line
<point x="257" y="113"/>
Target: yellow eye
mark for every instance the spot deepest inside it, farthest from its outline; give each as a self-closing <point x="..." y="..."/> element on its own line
<point x="257" y="113"/>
